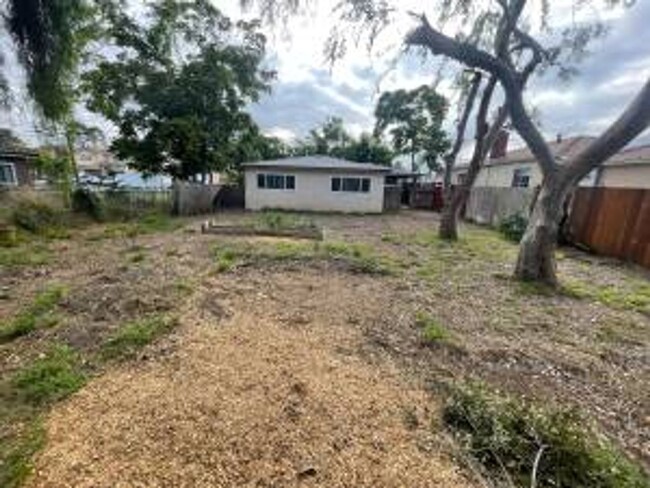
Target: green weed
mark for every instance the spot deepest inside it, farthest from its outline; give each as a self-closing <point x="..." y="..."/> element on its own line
<point x="51" y="378"/>
<point x="432" y="330"/>
<point x="634" y="295"/>
<point x="37" y="315"/>
<point x="506" y="435"/>
<point x="16" y="454"/>
<point x="134" y="335"/>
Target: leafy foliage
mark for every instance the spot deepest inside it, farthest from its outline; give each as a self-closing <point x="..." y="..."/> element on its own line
<point x="51" y="378"/>
<point x="506" y="435"/>
<point x="35" y="216"/>
<point x="86" y="202"/>
<point x="514" y="226"/>
<point x="178" y="87"/>
<point x="51" y="37"/>
<point x="134" y="335"/>
<point x="37" y="315"/>
<point x="414" y="120"/>
<point x="332" y="139"/>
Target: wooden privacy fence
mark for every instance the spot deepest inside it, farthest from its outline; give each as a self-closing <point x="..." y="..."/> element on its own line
<point x="612" y="222"/>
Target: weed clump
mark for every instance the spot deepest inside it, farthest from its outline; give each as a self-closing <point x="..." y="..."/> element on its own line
<point x="38" y="315"/>
<point x="135" y="335"/>
<point x="432" y="330"/>
<point x="513" y="227"/>
<point x="37" y="217"/>
<point x="50" y="378"/>
<point x="514" y="441"/>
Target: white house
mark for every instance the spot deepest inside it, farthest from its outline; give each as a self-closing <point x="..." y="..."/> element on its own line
<point x="517" y="168"/>
<point x="315" y="183"/>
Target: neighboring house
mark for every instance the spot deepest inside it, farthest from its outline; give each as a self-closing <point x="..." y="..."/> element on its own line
<point x="518" y="169"/>
<point x="16" y="161"/>
<point x="98" y="161"/>
<point x="315" y="183"/>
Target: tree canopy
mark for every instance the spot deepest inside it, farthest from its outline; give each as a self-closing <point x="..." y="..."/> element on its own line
<point x="331" y="138"/>
<point x="414" y="119"/>
<point x="178" y="86"/>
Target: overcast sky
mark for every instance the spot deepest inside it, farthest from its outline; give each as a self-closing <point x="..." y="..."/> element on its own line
<point x="307" y="89"/>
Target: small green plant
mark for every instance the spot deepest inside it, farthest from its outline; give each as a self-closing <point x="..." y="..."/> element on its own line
<point x="634" y="295"/>
<point x="432" y="330"/>
<point x="512" y="440"/>
<point x="37" y="217"/>
<point x="50" y="378"/>
<point x="513" y="227"/>
<point x="39" y="314"/>
<point x="134" y="335"/>
<point x="33" y="254"/>
<point x="274" y="220"/>
<point x="86" y="202"/>
<point x="16" y="454"/>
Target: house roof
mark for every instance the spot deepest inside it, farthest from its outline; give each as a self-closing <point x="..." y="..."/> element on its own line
<point x="562" y="150"/>
<point x="632" y="155"/>
<point x="568" y="148"/>
<point x="319" y="163"/>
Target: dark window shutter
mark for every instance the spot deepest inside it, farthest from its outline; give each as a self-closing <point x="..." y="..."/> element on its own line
<point x="365" y="185"/>
<point x="291" y="182"/>
<point x="261" y="181"/>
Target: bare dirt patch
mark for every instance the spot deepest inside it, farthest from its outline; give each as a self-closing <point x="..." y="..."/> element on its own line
<point x="267" y="397"/>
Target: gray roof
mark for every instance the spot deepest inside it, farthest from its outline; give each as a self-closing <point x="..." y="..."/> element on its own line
<point x="319" y="163"/>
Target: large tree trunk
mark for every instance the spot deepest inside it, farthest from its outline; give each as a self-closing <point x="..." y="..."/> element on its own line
<point x="536" y="261"/>
<point x="448" y="229"/>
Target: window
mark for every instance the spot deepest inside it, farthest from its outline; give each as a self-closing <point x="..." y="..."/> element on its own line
<point x="461" y="178"/>
<point x="276" y="182"/>
<point x="353" y="185"/>
<point x="521" y="178"/>
<point x="7" y="174"/>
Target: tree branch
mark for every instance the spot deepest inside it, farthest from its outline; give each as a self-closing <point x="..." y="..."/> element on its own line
<point x="439" y="44"/>
<point x="634" y="120"/>
<point x="450" y="158"/>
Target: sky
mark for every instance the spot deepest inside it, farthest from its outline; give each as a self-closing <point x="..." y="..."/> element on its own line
<point x="308" y="89"/>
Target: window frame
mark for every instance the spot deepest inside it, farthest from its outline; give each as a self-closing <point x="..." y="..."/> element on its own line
<point x="351" y="184"/>
<point x="12" y="172"/>
<point x="276" y="181"/>
<point x="520" y="178"/>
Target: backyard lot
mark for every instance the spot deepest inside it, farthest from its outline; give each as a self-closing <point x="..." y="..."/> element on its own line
<point x="211" y="360"/>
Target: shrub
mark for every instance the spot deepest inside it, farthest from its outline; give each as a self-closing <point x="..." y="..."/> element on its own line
<point x="86" y="202"/>
<point x="506" y="436"/>
<point x="513" y="227"/>
<point x="51" y="378"/>
<point x="36" y="217"/>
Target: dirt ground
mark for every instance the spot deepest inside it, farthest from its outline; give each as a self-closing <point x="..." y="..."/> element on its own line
<point x="307" y="374"/>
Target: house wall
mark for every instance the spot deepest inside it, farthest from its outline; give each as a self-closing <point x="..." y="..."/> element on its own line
<point x="22" y="171"/>
<point x="314" y="192"/>
<point x="500" y="176"/>
<point x="630" y="176"/>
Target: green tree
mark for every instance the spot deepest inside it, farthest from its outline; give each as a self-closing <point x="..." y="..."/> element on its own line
<point x="178" y="87"/>
<point x="414" y="118"/>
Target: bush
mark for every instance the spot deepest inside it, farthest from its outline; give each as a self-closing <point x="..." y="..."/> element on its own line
<point x="86" y="202"/>
<point x="506" y="435"/>
<point x="36" y="217"/>
<point x="513" y="227"/>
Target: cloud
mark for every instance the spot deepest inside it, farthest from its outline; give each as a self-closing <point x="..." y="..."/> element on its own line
<point x="308" y="90"/>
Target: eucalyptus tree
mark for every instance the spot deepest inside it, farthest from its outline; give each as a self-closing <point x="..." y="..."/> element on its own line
<point x="530" y="43"/>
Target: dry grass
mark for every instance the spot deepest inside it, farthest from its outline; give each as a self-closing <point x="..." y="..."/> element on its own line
<point x="215" y="401"/>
